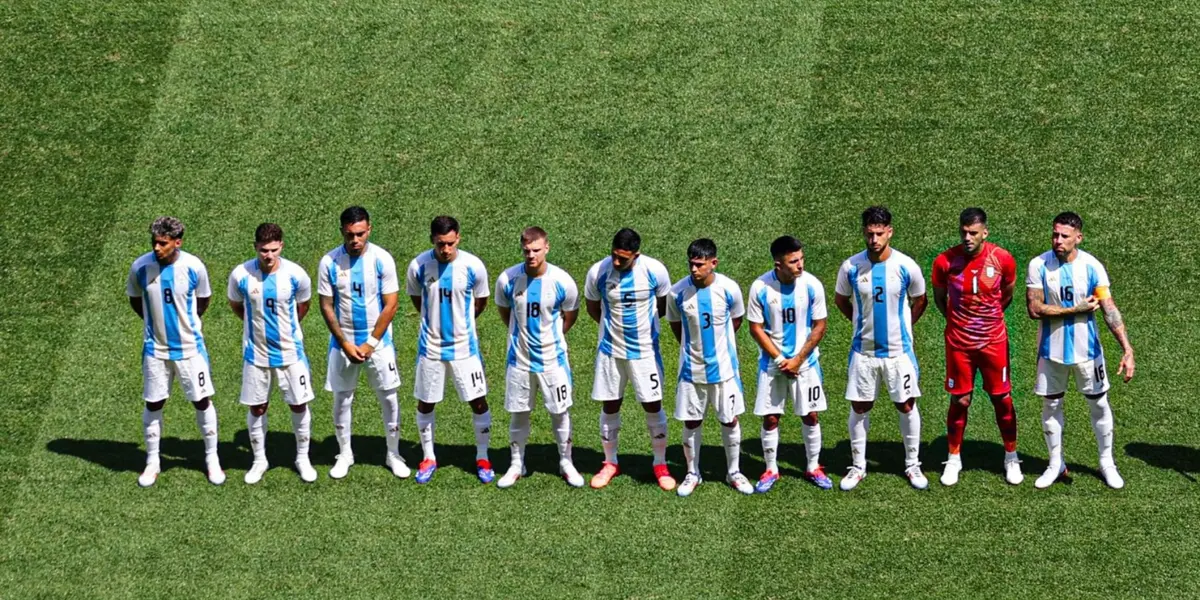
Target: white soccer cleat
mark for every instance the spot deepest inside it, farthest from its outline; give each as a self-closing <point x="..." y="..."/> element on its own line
<point x="341" y="466"/>
<point x="916" y="477"/>
<point x="567" y="469"/>
<point x="739" y="482"/>
<point x="1053" y="472"/>
<point x="215" y="475"/>
<point x="256" y="472"/>
<point x="511" y="476"/>
<point x="307" y="473"/>
<point x="398" y="466"/>
<point x="853" y="476"/>
<point x="688" y="485"/>
<point x="953" y="468"/>
<point x="149" y="474"/>
<point x="1112" y="477"/>
<point x="1012" y="471"/>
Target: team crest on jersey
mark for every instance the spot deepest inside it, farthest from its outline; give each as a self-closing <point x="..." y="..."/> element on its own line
<point x="990" y="271"/>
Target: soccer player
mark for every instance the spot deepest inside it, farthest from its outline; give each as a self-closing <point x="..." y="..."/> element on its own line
<point x="787" y="320"/>
<point x="449" y="288"/>
<point x="1065" y="287"/>
<point x="626" y="294"/>
<point x="882" y="281"/>
<point x="359" y="293"/>
<point x="539" y="302"/>
<point x="705" y="310"/>
<point x="271" y="294"/>
<point x="973" y="284"/>
<point x="169" y="289"/>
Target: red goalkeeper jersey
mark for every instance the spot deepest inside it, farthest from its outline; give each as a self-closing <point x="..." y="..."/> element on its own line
<point x="975" y="315"/>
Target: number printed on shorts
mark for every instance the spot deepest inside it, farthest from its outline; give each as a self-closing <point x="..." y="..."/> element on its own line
<point x="303" y="381"/>
<point x="201" y="379"/>
<point x="654" y="381"/>
<point x="907" y="383"/>
<point x="705" y="320"/>
<point x="814" y="394"/>
<point x="477" y="379"/>
<point x="1099" y="371"/>
<point x="392" y="367"/>
<point x="561" y="392"/>
<point x="533" y="310"/>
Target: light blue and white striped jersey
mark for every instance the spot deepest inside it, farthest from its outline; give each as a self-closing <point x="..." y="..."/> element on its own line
<point x="357" y="285"/>
<point x="1072" y="339"/>
<point x="535" y="325"/>
<point x="448" y="292"/>
<point x="787" y="312"/>
<point x="882" y="317"/>
<point x="708" y="352"/>
<point x="628" y="306"/>
<point x="271" y="334"/>
<point x="169" y="293"/>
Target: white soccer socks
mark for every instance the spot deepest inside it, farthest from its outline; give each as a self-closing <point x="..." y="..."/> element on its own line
<point x="302" y="428"/>
<point x="389" y="412"/>
<point x="518" y="435"/>
<point x="342" y="419"/>
<point x="425" y="426"/>
<point x="691" y="448"/>
<point x="859" y="426"/>
<point x="610" y="429"/>
<point x="257" y="427"/>
<point x="1102" y="427"/>
<point x="812" y="446"/>
<point x="1052" y="429"/>
<point x="152" y="432"/>
<point x="562" y="436"/>
<point x="731" y="438"/>
<point x="656" y="423"/>
<point x="206" y="420"/>
<point x="910" y="432"/>
<point x="483" y="434"/>
<point x="770" y="448"/>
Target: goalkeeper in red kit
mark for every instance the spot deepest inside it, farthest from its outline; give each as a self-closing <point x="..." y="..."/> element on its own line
<point x="972" y="286"/>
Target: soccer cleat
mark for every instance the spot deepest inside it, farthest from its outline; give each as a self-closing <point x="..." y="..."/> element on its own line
<point x="149" y="474"/>
<point x="1112" y="477"/>
<point x="215" y="475"/>
<point x="1012" y="471"/>
<point x="514" y="473"/>
<point x="483" y="470"/>
<point x="953" y="467"/>
<point x="916" y="477"/>
<point x="607" y="472"/>
<point x="766" y="482"/>
<point x="257" y="469"/>
<point x="690" y="481"/>
<point x="739" y="482"/>
<point x="819" y="478"/>
<point x="567" y="469"/>
<point x="397" y="465"/>
<point x="853" y="476"/>
<point x="663" y="475"/>
<point x="341" y="466"/>
<point x="307" y="473"/>
<point x="425" y="470"/>
<point x="1053" y="472"/>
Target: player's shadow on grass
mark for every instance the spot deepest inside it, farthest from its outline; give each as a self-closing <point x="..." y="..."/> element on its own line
<point x="882" y="457"/>
<point x="131" y="456"/>
<point x="1184" y="460"/>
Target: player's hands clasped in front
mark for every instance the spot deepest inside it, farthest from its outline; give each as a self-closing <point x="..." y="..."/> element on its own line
<point x="791" y="367"/>
<point x="365" y="350"/>
<point x="353" y="353"/>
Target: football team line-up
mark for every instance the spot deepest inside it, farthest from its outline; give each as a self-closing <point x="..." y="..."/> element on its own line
<point x="880" y="290"/>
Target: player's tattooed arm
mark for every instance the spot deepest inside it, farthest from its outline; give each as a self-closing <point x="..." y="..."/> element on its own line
<point x="1116" y="324"/>
<point x="1035" y="303"/>
<point x="939" y="299"/>
<point x="327" y="312"/>
<point x="593" y="309"/>
<point x="919" y="304"/>
<point x="135" y="302"/>
<point x="843" y="304"/>
<point x="814" y="339"/>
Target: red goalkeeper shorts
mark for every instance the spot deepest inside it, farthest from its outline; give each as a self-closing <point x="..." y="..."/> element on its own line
<point x="991" y="361"/>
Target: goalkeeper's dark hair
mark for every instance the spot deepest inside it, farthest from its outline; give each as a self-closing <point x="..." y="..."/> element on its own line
<point x="355" y="214"/>
<point x="442" y="225"/>
<point x="267" y="233"/>
<point x="167" y="227"/>
<point x="876" y="215"/>
<point x="702" y="248"/>
<point x="785" y="245"/>
<point x="972" y="216"/>
<point x="1069" y="219"/>
<point x="627" y="240"/>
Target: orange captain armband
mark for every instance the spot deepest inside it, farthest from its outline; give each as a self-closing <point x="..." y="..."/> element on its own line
<point x="1102" y="293"/>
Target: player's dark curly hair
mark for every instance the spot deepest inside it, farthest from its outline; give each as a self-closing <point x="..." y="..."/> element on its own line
<point x="785" y="245"/>
<point x="355" y="214"/>
<point x="702" y="248"/>
<point x="1069" y="219"/>
<point x="972" y="216"/>
<point x="876" y="215"/>
<point x="267" y="233"/>
<point x="443" y="225"/>
<point x="167" y="227"/>
<point x="627" y="240"/>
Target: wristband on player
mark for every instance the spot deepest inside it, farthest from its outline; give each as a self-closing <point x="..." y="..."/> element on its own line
<point x="372" y="341"/>
<point x="779" y="360"/>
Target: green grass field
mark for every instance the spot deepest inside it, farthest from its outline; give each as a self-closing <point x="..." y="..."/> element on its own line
<point x="735" y="120"/>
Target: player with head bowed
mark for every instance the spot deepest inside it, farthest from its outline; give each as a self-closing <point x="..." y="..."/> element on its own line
<point x="449" y="288"/>
<point x="972" y="286"/>
<point x="705" y="310"/>
<point x="787" y="315"/>
<point x="271" y="294"/>
<point x="1065" y="288"/>
<point x="539" y="303"/>
<point x="169" y="289"/>
<point x="626" y="294"/>
<point x="874" y="290"/>
<point x="359" y="293"/>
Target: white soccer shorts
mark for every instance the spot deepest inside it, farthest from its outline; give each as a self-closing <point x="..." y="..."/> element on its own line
<point x="195" y="378"/>
<point x="897" y="374"/>
<point x="693" y="399"/>
<point x="1091" y="377"/>
<point x="341" y="375"/>
<point x="467" y="374"/>
<point x="555" y="384"/>
<point x="295" y="383"/>
<point x="612" y="375"/>
<point x="806" y="391"/>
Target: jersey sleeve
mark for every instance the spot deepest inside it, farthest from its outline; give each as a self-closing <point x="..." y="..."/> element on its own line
<point x="843" y="285"/>
<point x="754" y="308"/>
<point x="501" y="285"/>
<point x="939" y="271"/>
<point x="232" y="291"/>
<point x="131" y="283"/>
<point x="737" y="306"/>
<point x="816" y="300"/>
<point x="1102" y="283"/>
<point x="664" y="280"/>
<point x="390" y="284"/>
<point x="571" y="302"/>
<point x="673" y="314"/>
<point x="916" y="280"/>
<point x="324" y="285"/>
<point x="412" y="285"/>
<point x="481" y="289"/>
<point x="303" y="292"/>
<point x="1033" y="274"/>
<point x="203" y="288"/>
<point x="590" y="290"/>
<point x="1008" y="269"/>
